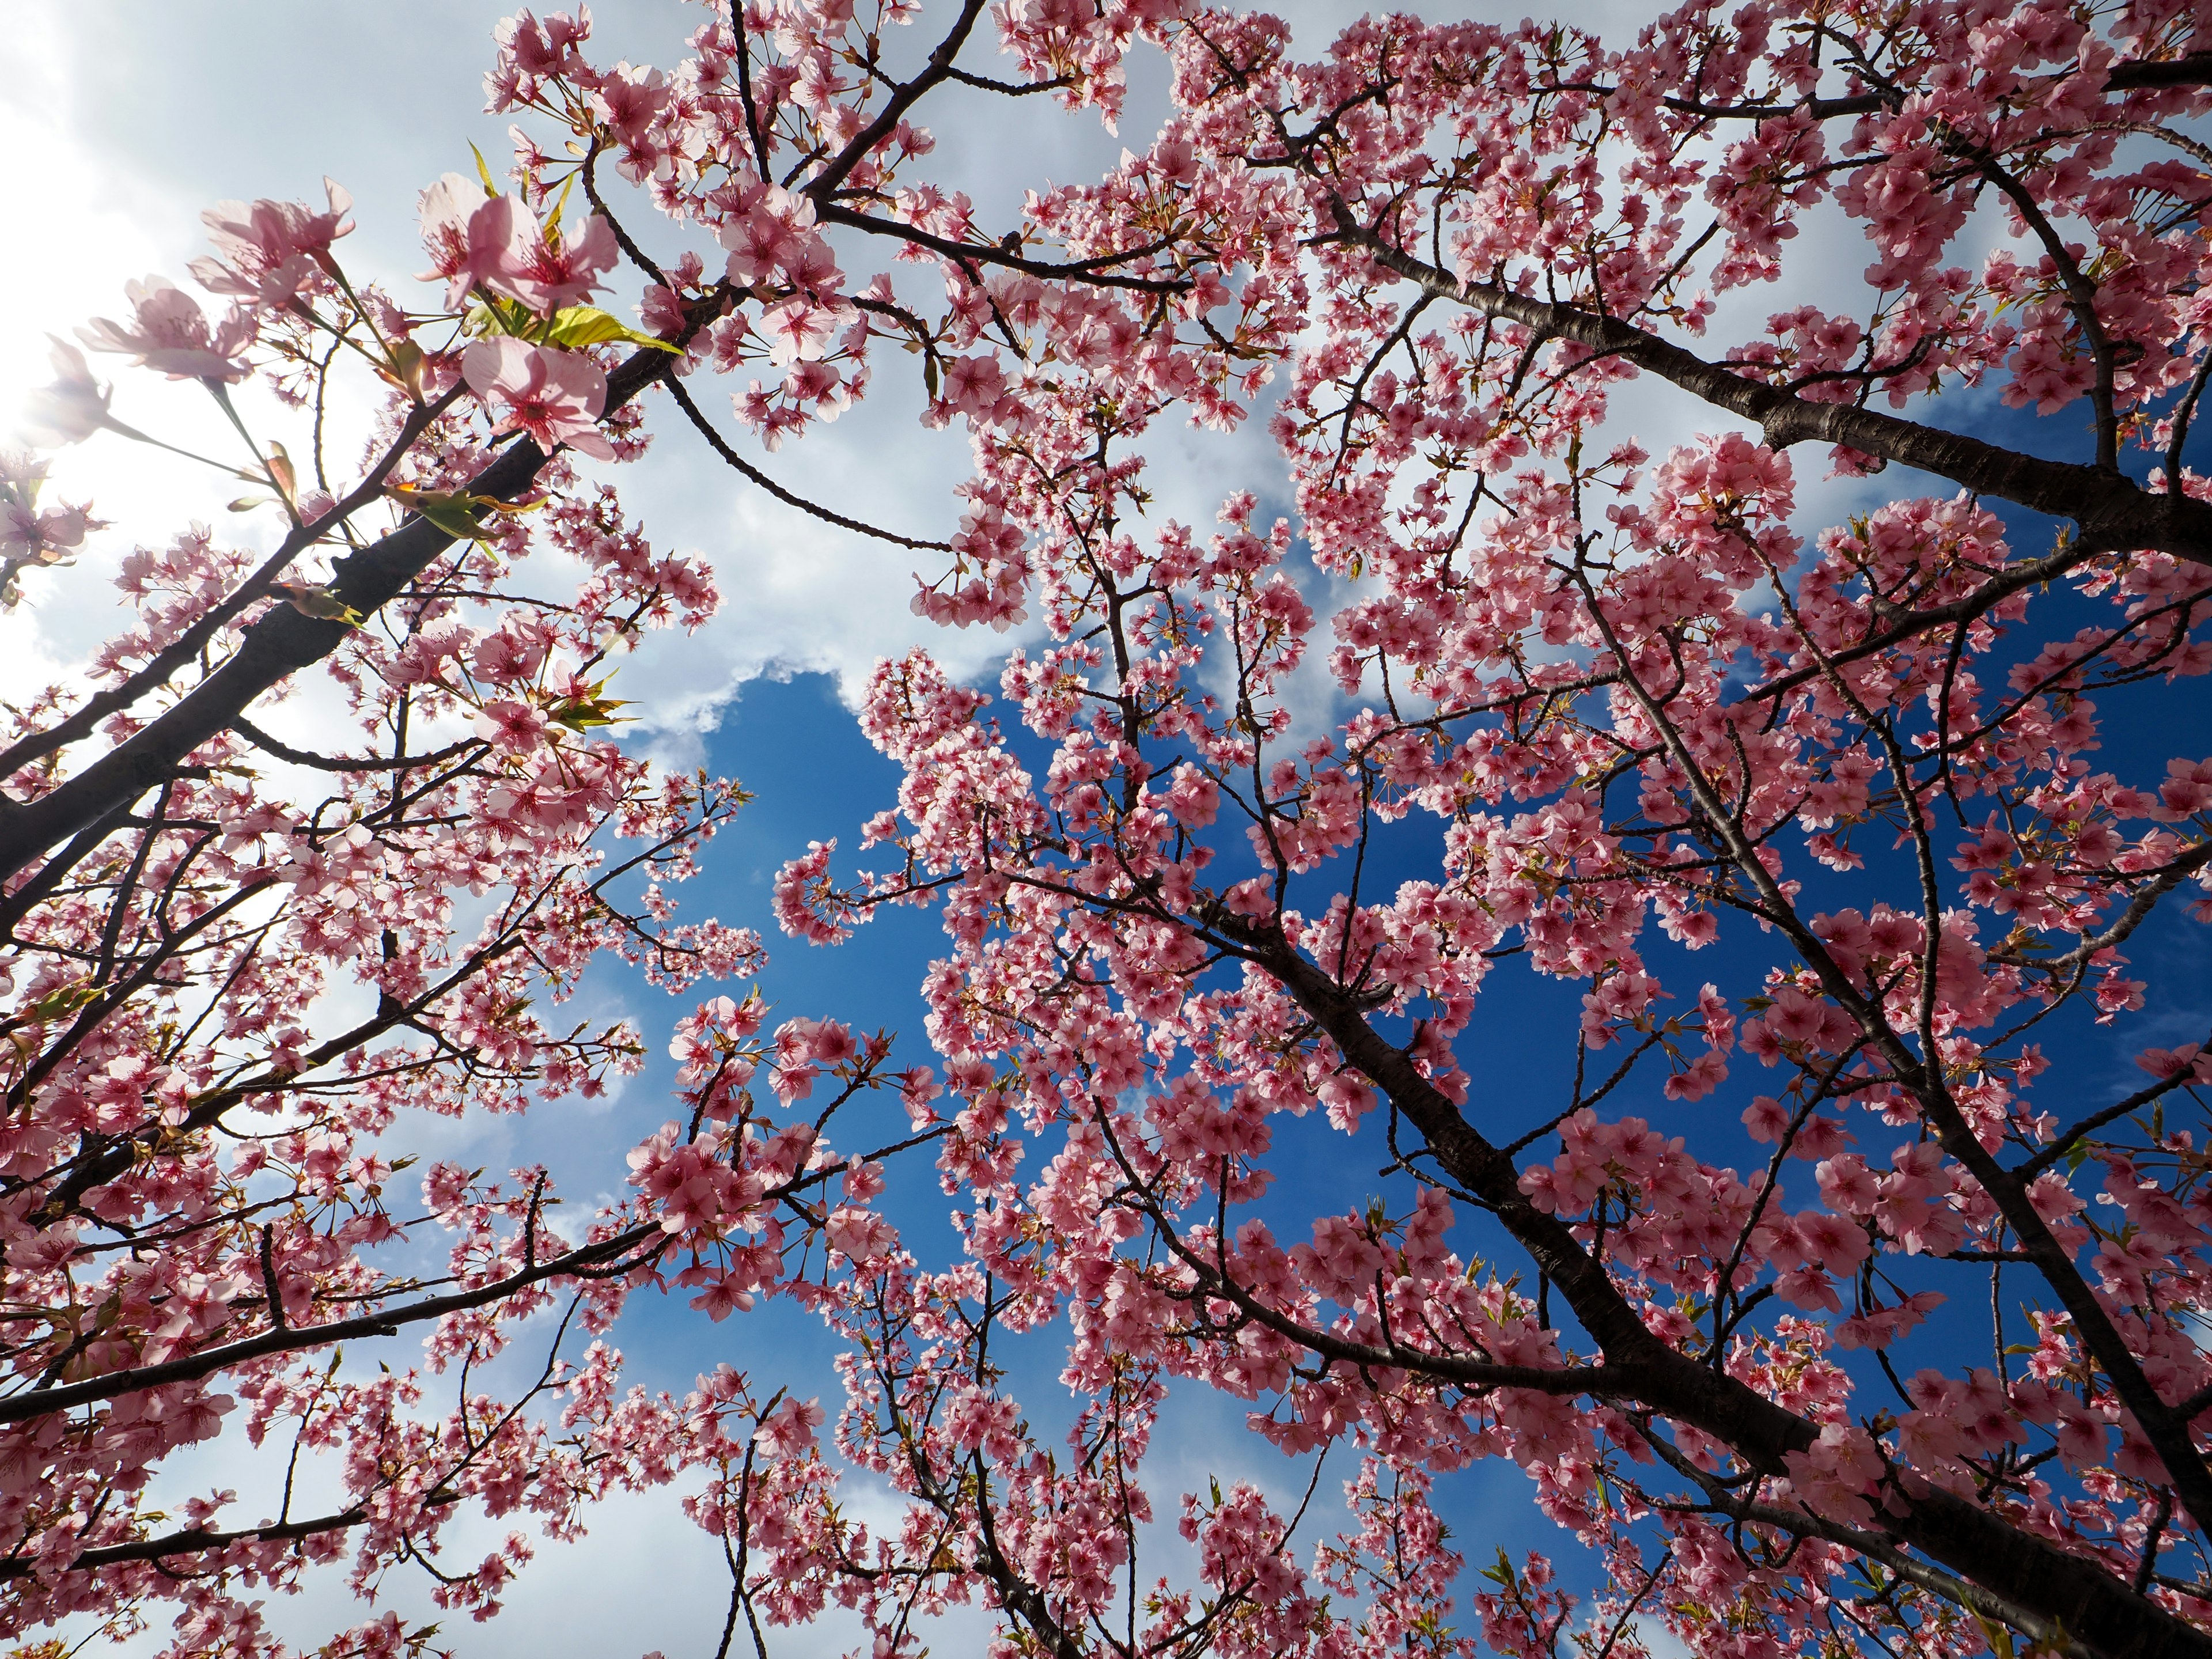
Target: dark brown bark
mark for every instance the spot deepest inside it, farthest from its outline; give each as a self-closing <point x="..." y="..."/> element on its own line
<point x="2193" y="70"/>
<point x="2113" y="513"/>
<point x="279" y="645"/>
<point x="195" y="1541"/>
<point x="590" y="1259"/>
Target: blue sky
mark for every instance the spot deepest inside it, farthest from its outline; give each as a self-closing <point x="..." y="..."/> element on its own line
<point x="145" y="114"/>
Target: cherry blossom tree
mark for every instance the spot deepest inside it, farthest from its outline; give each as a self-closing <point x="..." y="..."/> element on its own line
<point x="241" y="971"/>
<point x="1842" y="1304"/>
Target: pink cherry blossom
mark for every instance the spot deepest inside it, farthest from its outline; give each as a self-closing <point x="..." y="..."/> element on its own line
<point x="169" y="333"/>
<point x="460" y="252"/>
<point x="1837" y="1297"/>
<point x="70" y="410"/>
<point x="264" y="253"/>
<point x="498" y="243"/>
<point x="525" y="263"/>
<point x="555" y="397"/>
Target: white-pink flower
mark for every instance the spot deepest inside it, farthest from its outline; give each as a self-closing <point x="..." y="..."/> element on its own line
<point x="264" y="251"/>
<point x="449" y="209"/>
<point x="789" y="1429"/>
<point x="801" y="329"/>
<point x="69" y="410"/>
<point x="543" y="274"/>
<point x="515" y="726"/>
<point x="171" y="334"/>
<point x="496" y="241"/>
<point x="553" y="396"/>
<point x="861" y="1234"/>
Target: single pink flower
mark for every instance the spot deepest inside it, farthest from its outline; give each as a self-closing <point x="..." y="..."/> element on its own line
<point x="511" y="726"/>
<point x="173" y="335"/>
<point x="448" y="213"/>
<point x="69" y="410"/>
<point x="789" y="1429"/>
<point x="801" y="329"/>
<point x="553" y="396"/>
<point x="264" y="253"/>
<point x="543" y="276"/>
<point x="497" y="241"/>
<point x="630" y="101"/>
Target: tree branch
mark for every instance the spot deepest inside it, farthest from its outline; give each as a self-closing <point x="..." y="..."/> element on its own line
<point x="2114" y="513"/>
<point x="279" y="645"/>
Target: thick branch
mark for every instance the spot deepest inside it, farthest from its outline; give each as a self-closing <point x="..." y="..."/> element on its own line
<point x="197" y="1540"/>
<point x="282" y="642"/>
<point x="2113" y="512"/>
<point x="2099" y="1611"/>
<point x="187" y="647"/>
<point x="2192" y="69"/>
<point x="42" y="1402"/>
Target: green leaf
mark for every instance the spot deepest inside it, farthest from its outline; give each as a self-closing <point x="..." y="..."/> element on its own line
<point x="407" y="362"/>
<point x="499" y="316"/>
<point x="311" y="601"/>
<point x="1998" y="1636"/>
<point x="66" y="1000"/>
<point x="595" y="709"/>
<point x="553" y="219"/>
<point x="483" y="172"/>
<point x="446" y="509"/>
<point x="454" y="511"/>
<point x="583" y="326"/>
